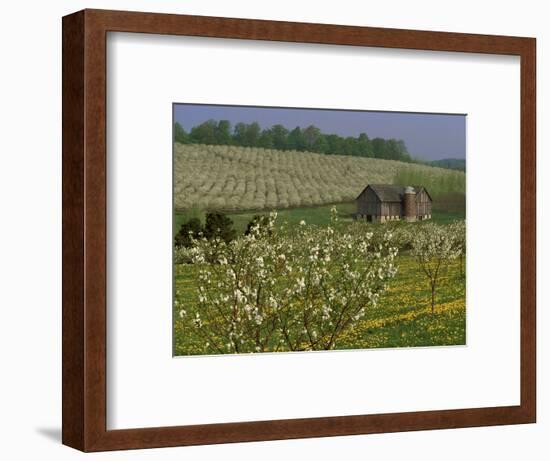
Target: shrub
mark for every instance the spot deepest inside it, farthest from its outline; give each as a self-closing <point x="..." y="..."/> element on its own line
<point x="189" y="231"/>
<point x="219" y="226"/>
<point x="260" y="221"/>
<point x="183" y="255"/>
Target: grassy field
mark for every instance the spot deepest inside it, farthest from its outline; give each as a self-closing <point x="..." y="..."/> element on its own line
<point x="403" y="317"/>
<point x="230" y="178"/>
<point x="318" y="215"/>
<point x="301" y="186"/>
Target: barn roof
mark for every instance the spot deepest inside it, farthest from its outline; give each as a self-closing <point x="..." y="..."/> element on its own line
<point x="391" y="192"/>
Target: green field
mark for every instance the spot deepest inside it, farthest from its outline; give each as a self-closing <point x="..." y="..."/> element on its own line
<point x="403" y="317"/>
<point x="302" y="187"/>
<point x="318" y="215"/>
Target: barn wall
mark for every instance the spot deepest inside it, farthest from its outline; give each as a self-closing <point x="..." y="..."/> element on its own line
<point x="391" y="209"/>
<point x="396" y="209"/>
<point x="423" y="204"/>
<point x="368" y="203"/>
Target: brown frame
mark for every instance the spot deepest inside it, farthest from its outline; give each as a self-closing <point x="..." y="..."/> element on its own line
<point x="84" y="229"/>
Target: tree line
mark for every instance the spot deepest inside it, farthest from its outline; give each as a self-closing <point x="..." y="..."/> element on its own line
<point x="278" y="137"/>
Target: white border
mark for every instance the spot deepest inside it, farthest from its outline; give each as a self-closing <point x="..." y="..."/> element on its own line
<point x="146" y="386"/>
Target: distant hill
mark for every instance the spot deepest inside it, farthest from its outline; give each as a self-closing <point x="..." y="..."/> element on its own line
<point x="251" y="178"/>
<point x="450" y="163"/>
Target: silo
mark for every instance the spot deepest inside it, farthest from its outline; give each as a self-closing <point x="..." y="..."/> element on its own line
<point x="409" y="204"/>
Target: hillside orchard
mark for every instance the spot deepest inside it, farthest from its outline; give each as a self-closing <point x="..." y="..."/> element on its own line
<point x="233" y="178"/>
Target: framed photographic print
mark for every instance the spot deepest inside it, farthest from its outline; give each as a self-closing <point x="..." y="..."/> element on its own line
<point x="280" y="230"/>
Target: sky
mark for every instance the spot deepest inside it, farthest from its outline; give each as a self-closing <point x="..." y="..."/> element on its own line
<point x="427" y="136"/>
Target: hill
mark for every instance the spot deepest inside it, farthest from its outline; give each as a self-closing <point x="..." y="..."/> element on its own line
<point x="451" y="163"/>
<point x="243" y="178"/>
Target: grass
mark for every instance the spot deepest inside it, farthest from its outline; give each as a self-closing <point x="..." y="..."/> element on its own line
<point x="447" y="217"/>
<point x="244" y="182"/>
<point x="317" y="215"/>
<point x="403" y="317"/>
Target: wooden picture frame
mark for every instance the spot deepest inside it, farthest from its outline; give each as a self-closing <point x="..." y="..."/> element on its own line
<point x="85" y="221"/>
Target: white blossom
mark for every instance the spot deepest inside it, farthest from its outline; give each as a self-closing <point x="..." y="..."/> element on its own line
<point x="254" y="288"/>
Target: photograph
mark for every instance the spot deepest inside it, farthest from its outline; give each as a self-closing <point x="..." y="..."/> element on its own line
<point x="313" y="229"/>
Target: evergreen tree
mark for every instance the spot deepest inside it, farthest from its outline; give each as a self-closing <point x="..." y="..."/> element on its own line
<point x="218" y="225"/>
<point x="188" y="231"/>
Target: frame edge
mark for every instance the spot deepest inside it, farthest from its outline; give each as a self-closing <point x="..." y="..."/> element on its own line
<point x="73" y="325"/>
<point x="528" y="230"/>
